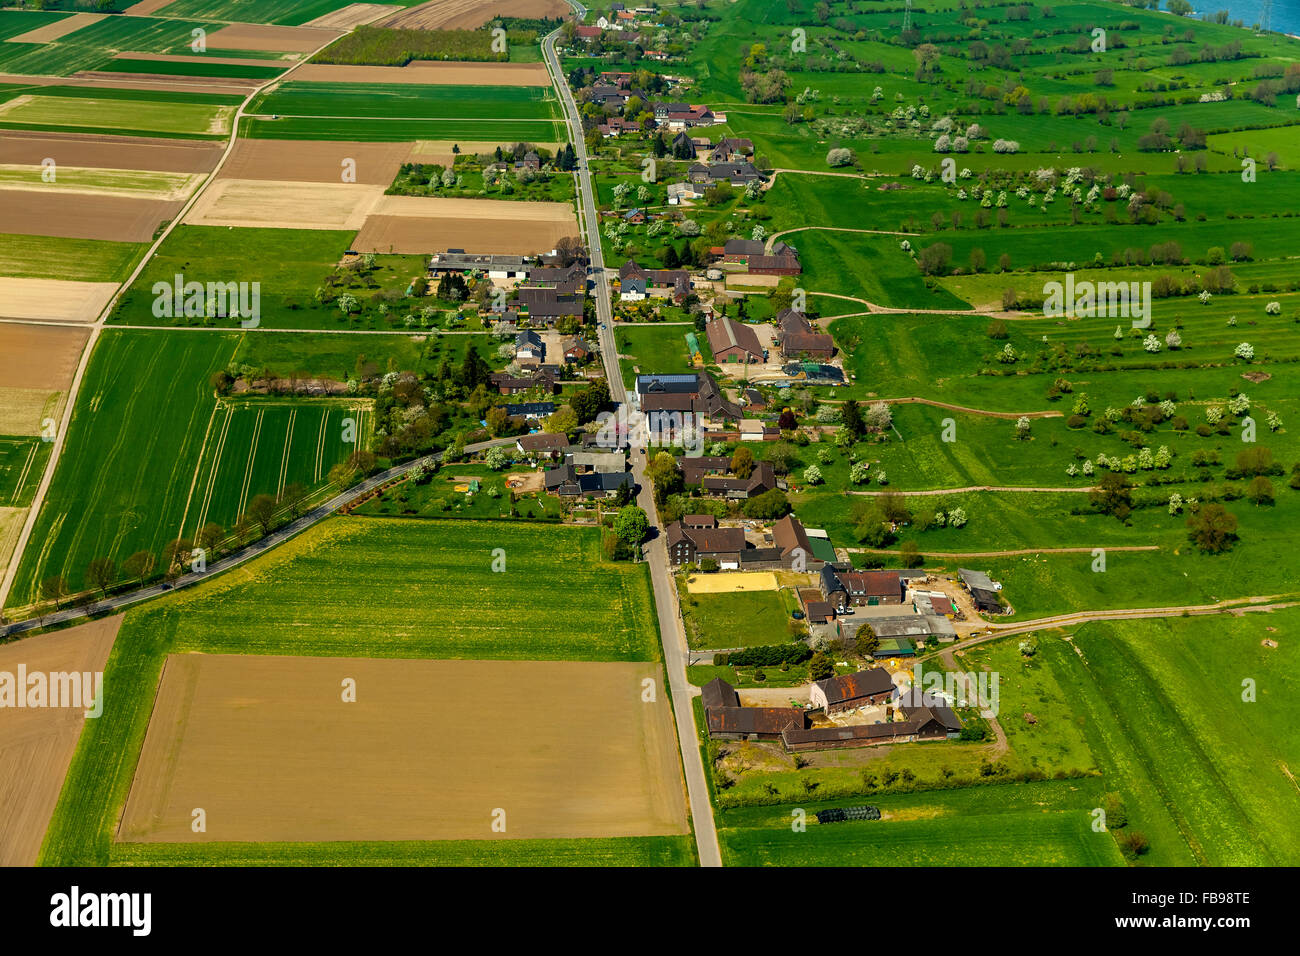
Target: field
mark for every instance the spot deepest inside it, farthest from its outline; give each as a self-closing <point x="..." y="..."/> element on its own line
<point x="117" y="114"/>
<point x="94" y="46"/>
<point x="36" y="745"/>
<point x="109" y="152"/>
<point x="54" y="300"/>
<point x="123" y="480"/>
<point x="471" y="14"/>
<point x="261" y="446"/>
<point x="428" y="73"/>
<point x="1041" y="824"/>
<point x="447" y="757"/>
<point x="317" y="162"/>
<point x="660" y="349"/>
<point x="251" y="36"/>
<point x="74" y="260"/>
<point x="411" y="224"/>
<point x="1158" y="705"/>
<point x="284" y="205"/>
<point x="127" y="183"/>
<point x="22" y="459"/>
<point x="77" y="216"/>
<point x="741" y="619"/>
<point x="37" y="363"/>
<point x="440" y="611"/>
<point x="397" y="112"/>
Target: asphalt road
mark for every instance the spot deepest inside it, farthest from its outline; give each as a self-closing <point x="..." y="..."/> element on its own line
<point x="672" y="634"/>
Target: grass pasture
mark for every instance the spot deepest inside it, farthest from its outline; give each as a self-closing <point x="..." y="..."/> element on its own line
<point x="135" y="115"/>
<point x="740" y="619"/>
<point x="1038" y="824"/>
<point x="77" y="260"/>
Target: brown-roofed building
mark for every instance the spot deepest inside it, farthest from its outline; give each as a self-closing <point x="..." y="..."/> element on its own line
<point x="718" y="693"/>
<point x="762" y="479"/>
<point x="542" y="445"/>
<point x="761" y="723"/>
<point x="865" y="588"/>
<point x="798" y="338"/>
<point x="699" y="521"/>
<point x="691" y="545"/>
<point x="851" y="691"/>
<point x="819" y="612"/>
<point x="792" y="541"/>
<point x="734" y="342"/>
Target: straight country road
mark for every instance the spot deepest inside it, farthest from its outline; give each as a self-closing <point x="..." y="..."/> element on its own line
<point x="672" y="634"/>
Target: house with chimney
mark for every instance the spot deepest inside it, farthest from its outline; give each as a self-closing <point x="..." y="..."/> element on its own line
<point x="694" y="392"/>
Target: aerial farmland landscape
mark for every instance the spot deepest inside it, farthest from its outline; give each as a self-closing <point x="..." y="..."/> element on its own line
<point x="724" y="433"/>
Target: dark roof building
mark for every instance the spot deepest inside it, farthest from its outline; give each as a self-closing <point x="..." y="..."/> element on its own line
<point x="851" y="691"/>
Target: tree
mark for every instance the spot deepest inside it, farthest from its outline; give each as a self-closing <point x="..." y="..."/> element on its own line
<point x="820" y="666"/>
<point x="879" y="416"/>
<point x="100" y="573"/>
<point x="262" y="510"/>
<point x="782" y="456"/>
<point x="176" y="552"/>
<point x="787" y="421"/>
<point x="769" y="506"/>
<point x="910" y="555"/>
<point x="665" y="476"/>
<point x="1213" y="528"/>
<point x="867" y="641"/>
<point x="1113" y="496"/>
<point x="562" y="421"/>
<point x="138" y="566"/>
<point x="851" y="419"/>
<point x="340" y="476"/>
<point x="631" y="525"/>
<point x="54" y="588"/>
<point x="934" y="259"/>
<point x="212" y="534"/>
<point x="495" y="458"/>
<point x="1260" y="490"/>
<point x="742" y="462"/>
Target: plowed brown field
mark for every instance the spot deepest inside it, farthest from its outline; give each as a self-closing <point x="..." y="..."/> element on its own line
<point x="36" y="745"/>
<point x="316" y="161"/>
<point x="470" y="14"/>
<point x="429" y="72"/>
<point x="269" y="750"/>
<point x="354" y="14"/>
<point x="284" y="205"/>
<point x="109" y="152"/>
<point x="414" y="225"/>
<point x="260" y="36"/>
<point x="77" y="216"/>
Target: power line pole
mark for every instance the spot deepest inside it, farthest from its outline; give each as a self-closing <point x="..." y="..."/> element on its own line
<point x="1265" y="15"/>
<point x="907" y="16"/>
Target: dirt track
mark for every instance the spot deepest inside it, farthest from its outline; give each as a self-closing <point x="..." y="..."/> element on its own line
<point x="36" y="745"/>
<point x="75" y="216"/>
<point x="269" y="750"/>
<point x="470" y="14"/>
<point x="109" y="152"/>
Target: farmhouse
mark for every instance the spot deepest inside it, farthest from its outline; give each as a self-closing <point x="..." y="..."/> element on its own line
<point x="662" y="283"/>
<point x="577" y="350"/>
<point x="737" y="174"/>
<point x="851" y="691"/>
<point x="734" y="342"/>
<point x="751" y="256"/>
<point x="458" y="262"/>
<point x="692" y="545"/>
<point x="567" y="482"/>
<point x="732" y="150"/>
<point x="790" y="538"/>
<point x="507" y="384"/>
<point x="530" y="409"/>
<point x="529" y="348"/>
<point x="860" y="588"/>
<point x="549" y="305"/>
<point x="798" y="339"/>
<point x="713" y="475"/>
<point x="542" y="445"/>
<point x="696" y="393"/>
<point x="566" y="280"/>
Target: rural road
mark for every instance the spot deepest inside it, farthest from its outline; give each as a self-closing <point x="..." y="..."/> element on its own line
<point x="276" y="537"/>
<point x="672" y="634"/>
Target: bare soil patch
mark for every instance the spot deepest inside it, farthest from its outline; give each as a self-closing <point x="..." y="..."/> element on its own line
<point x="284" y="204"/>
<point x="524" y="482"/>
<point x="317" y="161"/>
<point x="269" y="750"/>
<point x="429" y="72"/>
<point x="145" y="7"/>
<point x="39" y="356"/>
<point x="439" y="150"/>
<point x="109" y="152"/>
<point x="57" y="29"/>
<point x="416" y="225"/>
<point x="184" y="58"/>
<point x="77" y="216"/>
<point x="470" y="14"/>
<point x="36" y="744"/>
<point x="56" y="300"/>
<point x="354" y="14"/>
<point x="262" y="36"/>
